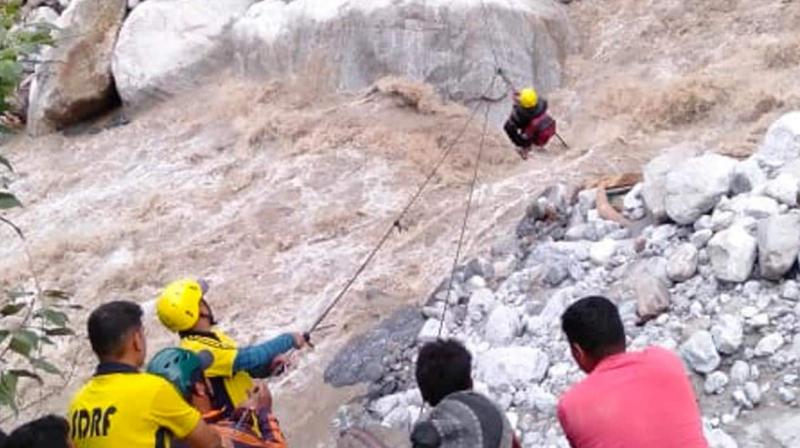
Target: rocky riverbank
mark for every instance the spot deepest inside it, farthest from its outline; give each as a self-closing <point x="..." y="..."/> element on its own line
<point x="707" y="267"/>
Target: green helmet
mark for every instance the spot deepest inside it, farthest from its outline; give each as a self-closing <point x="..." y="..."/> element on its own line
<point x="180" y="367"/>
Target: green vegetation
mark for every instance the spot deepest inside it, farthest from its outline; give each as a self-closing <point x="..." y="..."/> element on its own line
<point x="30" y="318"/>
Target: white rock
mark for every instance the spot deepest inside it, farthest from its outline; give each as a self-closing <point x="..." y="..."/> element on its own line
<point x="601" y="252"/>
<point x="722" y="219"/>
<point x="740" y="372"/>
<point x="384" y="405"/>
<point x="633" y="203"/>
<point x="356" y="42"/>
<point x="556" y="304"/>
<point x="542" y="401"/>
<point x="769" y="344"/>
<point x="717" y="438"/>
<point x="700" y="238"/>
<point x="536" y="326"/>
<point x="695" y="186"/>
<point x="703" y="223"/>
<point x="682" y="263"/>
<point x="655" y="173"/>
<point x="748" y="312"/>
<point x="80" y="84"/>
<point x="747" y="176"/>
<point x="481" y="302"/>
<point x="133" y="3"/>
<point x="755" y="372"/>
<point x="732" y="253"/>
<point x="413" y="397"/>
<point x="700" y="353"/>
<point x="696" y="309"/>
<point x="476" y="282"/>
<point x="430" y="331"/>
<point x="715" y="383"/>
<point x="43" y="15"/>
<point x="502" y="326"/>
<point x="166" y="47"/>
<point x="778" y="245"/>
<point x="728" y="334"/>
<point x="782" y="142"/>
<point x="753" y="393"/>
<point x="652" y="296"/>
<point x="727" y="419"/>
<point x="796" y="345"/>
<point x="759" y="321"/>
<point x="783" y="189"/>
<point x="756" y="207"/>
<point x="399" y="418"/>
<point x="790" y="290"/>
<point x="514" y="366"/>
<point x="787" y="395"/>
<point x="560" y="370"/>
<point x="740" y="398"/>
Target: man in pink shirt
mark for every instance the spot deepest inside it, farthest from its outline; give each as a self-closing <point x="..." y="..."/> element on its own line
<point x="628" y="400"/>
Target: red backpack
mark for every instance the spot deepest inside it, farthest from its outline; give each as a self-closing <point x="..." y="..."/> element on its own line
<point x="542" y="129"/>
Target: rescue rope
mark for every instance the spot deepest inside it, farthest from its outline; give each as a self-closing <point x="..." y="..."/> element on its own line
<point x="467" y="211"/>
<point x="396" y="223"/>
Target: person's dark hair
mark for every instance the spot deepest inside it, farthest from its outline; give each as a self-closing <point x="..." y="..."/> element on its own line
<point x="443" y="367"/>
<point x="110" y="323"/>
<point x="594" y="324"/>
<point x="47" y="432"/>
<point x="2" y="438"/>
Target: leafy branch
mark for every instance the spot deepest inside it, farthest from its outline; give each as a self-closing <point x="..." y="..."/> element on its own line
<point x="29" y="320"/>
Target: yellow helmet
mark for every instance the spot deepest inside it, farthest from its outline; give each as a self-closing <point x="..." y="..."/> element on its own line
<point x="528" y="98"/>
<point x="178" y="306"/>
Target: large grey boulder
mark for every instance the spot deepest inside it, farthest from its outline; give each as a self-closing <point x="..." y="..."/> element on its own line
<point x="168" y="46"/>
<point x="782" y="142"/>
<point x="349" y="44"/>
<point x="652" y="296"/>
<point x="700" y="352"/>
<point x="778" y="245"/>
<point x="654" y="176"/>
<point x="514" y="366"/>
<point x="682" y="263"/>
<point x="769" y="344"/>
<point x="695" y="187"/>
<point x="728" y="334"/>
<point x="756" y="207"/>
<point x="747" y="176"/>
<point x="783" y="188"/>
<point x="79" y="84"/>
<point x="732" y="253"/>
<point x="503" y="325"/>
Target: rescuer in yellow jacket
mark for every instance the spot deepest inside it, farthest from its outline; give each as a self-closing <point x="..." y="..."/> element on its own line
<point x="182" y="308"/>
<point x="122" y="407"/>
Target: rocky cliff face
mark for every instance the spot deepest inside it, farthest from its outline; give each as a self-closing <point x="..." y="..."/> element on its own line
<point x="75" y="82"/>
<point x="171" y="46"/>
<point x="455" y="46"/>
<point x="716" y="283"/>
